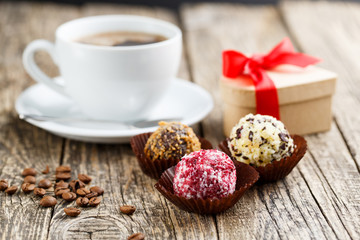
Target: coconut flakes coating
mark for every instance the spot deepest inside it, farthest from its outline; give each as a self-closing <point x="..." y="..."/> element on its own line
<point x="205" y="174"/>
<point x="259" y="140"/>
<point x="171" y="140"/>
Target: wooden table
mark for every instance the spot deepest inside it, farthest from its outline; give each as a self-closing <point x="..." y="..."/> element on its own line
<point x="320" y="199"/>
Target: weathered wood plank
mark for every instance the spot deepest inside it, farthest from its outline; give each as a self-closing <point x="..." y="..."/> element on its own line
<point x="286" y="209"/>
<point x="20" y="214"/>
<point x="115" y="168"/>
<point x="337" y="189"/>
<point x="336" y="43"/>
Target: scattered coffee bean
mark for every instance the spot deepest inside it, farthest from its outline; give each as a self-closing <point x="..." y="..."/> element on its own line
<point x="97" y="189"/>
<point x="69" y="196"/>
<point x="48" y="201"/>
<point x="63" y="176"/>
<point x="30" y="179"/>
<point x="82" y="201"/>
<point x="3" y="185"/>
<point x="72" y="212"/>
<point x="82" y="192"/>
<point x="76" y="184"/>
<point x="93" y="202"/>
<point x="68" y="191"/>
<point x="45" y="183"/>
<point x="11" y="190"/>
<point x="61" y="184"/>
<point x="39" y="192"/>
<point x="84" y="178"/>
<point x="72" y="185"/>
<point x="46" y="171"/>
<point x="60" y="191"/>
<point x="79" y="184"/>
<point x="136" y="236"/>
<point x="27" y="187"/>
<point x="63" y="168"/>
<point x="29" y="171"/>
<point x="91" y="195"/>
<point x="127" y="209"/>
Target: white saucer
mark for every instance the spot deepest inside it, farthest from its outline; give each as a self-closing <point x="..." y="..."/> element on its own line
<point x="184" y="99"/>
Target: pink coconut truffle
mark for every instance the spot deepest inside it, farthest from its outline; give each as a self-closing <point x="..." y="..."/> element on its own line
<point x="205" y="174"/>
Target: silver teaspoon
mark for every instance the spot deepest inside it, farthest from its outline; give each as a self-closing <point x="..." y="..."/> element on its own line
<point x="136" y="124"/>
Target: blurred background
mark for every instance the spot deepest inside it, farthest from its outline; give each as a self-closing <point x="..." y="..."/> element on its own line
<point x="173" y="3"/>
<point x="162" y="3"/>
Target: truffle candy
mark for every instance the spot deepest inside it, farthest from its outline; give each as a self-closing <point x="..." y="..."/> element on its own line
<point x="205" y="174"/>
<point x="259" y="140"/>
<point x="171" y="141"/>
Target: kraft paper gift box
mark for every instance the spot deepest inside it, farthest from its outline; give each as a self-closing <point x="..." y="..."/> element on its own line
<point x="304" y="96"/>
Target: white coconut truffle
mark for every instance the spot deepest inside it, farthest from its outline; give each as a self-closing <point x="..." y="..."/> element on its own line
<point x="258" y="140"/>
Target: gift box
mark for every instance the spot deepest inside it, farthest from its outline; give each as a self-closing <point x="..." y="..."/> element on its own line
<point x="299" y="95"/>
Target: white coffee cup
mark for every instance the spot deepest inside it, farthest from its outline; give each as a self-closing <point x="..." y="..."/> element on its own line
<point x="118" y="83"/>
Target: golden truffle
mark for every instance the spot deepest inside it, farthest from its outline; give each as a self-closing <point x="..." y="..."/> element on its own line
<point x="171" y="141"/>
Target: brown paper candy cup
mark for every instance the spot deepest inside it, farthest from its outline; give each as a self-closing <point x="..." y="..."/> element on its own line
<point x="246" y="176"/>
<point x="155" y="168"/>
<point x="277" y="169"/>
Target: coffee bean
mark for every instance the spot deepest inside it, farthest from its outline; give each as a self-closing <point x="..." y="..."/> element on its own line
<point x="97" y="189"/>
<point x="91" y="195"/>
<point x="127" y="209"/>
<point x="29" y="171"/>
<point x="11" y="190"/>
<point x="61" y="184"/>
<point x="27" y="187"/>
<point x="60" y="191"/>
<point x="30" y="179"/>
<point x="76" y="184"/>
<point x="72" y="212"/>
<point x="72" y="185"/>
<point x="62" y="168"/>
<point x="82" y="192"/>
<point x="93" y="202"/>
<point x="46" y="171"/>
<point x="69" y="196"/>
<point x="45" y="183"/>
<point x="84" y="178"/>
<point x="63" y="176"/>
<point x="136" y="236"/>
<point x="82" y="201"/>
<point x="3" y="185"/>
<point x="39" y="192"/>
<point x="79" y="184"/>
<point x="48" y="201"/>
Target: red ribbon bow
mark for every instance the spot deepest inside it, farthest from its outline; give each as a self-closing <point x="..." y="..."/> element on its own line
<point x="236" y="64"/>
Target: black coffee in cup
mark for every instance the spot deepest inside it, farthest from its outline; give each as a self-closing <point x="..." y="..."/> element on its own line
<point x="121" y="38"/>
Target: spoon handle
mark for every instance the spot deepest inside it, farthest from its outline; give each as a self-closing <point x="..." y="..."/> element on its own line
<point x="136" y="124"/>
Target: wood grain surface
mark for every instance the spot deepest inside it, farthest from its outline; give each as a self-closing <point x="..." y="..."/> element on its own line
<point x="320" y="199"/>
<point x="337" y="160"/>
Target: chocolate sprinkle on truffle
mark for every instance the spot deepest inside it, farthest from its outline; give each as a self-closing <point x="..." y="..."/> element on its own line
<point x="283" y="137"/>
<point x="251" y="134"/>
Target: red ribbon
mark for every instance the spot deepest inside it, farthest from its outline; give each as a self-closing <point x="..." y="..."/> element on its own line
<point x="236" y="64"/>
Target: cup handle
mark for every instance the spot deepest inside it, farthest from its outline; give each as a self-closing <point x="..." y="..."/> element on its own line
<point x="32" y="68"/>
